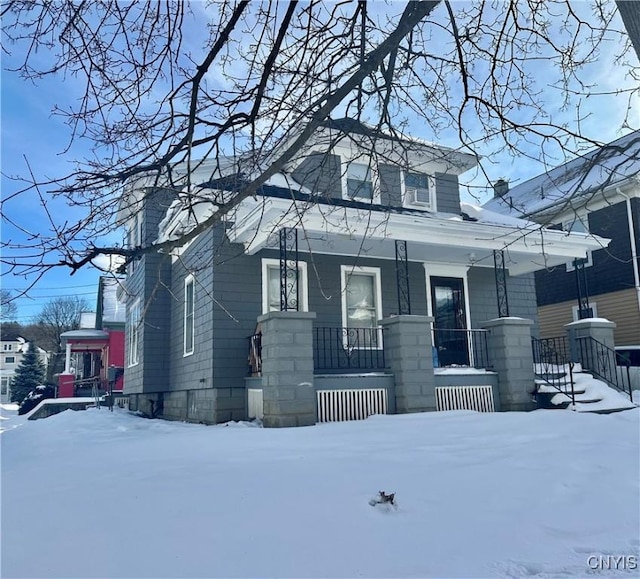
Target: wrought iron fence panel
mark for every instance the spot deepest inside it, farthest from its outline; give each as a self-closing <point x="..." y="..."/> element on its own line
<point x="348" y="348"/>
<point x="461" y="347"/>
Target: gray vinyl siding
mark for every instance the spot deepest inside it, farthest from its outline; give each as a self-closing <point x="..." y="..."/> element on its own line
<point x="237" y="288"/>
<point x="390" y="185"/>
<point x="156" y="328"/>
<point x="322" y="174"/>
<point x="447" y="193"/>
<point x="325" y="288"/>
<point x="192" y="371"/>
<point x="237" y="293"/>
<point x="148" y="281"/>
<point x="483" y="301"/>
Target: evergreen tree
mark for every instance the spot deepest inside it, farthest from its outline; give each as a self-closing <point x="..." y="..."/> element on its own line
<point x="29" y="374"/>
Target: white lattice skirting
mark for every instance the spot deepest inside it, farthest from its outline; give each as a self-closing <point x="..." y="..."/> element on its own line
<point x="478" y="398"/>
<point x="255" y="403"/>
<point x="339" y="405"/>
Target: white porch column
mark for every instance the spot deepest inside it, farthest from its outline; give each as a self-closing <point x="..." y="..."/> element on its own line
<point x="67" y="359"/>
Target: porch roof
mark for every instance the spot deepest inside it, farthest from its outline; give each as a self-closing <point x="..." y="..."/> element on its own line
<point x="431" y="237"/>
<point x="81" y="340"/>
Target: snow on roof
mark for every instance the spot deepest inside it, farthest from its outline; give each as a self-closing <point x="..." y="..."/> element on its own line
<point x="483" y="215"/>
<point x="601" y="168"/>
<point x="84" y="335"/>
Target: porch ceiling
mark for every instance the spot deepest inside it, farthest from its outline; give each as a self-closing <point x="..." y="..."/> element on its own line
<point x="431" y="238"/>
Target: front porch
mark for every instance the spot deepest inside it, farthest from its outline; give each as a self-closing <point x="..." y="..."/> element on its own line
<point x="90" y="365"/>
<point x="300" y="380"/>
<point x="468" y="351"/>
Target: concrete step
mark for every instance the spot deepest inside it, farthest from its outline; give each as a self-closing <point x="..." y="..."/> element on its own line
<point x="565" y="387"/>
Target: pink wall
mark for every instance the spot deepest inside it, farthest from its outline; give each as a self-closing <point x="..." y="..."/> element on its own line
<point x="116" y="355"/>
<point x="65" y="385"/>
<point x="116" y="348"/>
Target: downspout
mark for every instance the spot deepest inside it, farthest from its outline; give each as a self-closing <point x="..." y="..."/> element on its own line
<point x="634" y="249"/>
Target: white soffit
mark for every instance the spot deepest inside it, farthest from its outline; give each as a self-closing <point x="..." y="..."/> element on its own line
<point x="528" y="249"/>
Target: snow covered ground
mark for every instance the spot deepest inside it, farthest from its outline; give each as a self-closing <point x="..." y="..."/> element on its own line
<point x="542" y="494"/>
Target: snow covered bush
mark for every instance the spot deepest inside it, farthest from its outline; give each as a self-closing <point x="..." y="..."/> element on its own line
<point x="34" y="398"/>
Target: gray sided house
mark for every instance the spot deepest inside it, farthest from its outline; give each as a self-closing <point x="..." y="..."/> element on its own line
<point x="355" y="282"/>
<point x="597" y="194"/>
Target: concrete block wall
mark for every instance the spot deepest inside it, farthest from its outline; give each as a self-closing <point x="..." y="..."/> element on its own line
<point x="287" y="369"/>
<point x="509" y="342"/>
<point x="205" y="405"/>
<point x="408" y="354"/>
<point x="588" y="354"/>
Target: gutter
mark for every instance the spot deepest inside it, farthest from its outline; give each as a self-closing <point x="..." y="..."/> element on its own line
<point x="634" y="249"/>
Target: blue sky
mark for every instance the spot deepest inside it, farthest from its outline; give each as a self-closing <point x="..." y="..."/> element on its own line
<point x="30" y="130"/>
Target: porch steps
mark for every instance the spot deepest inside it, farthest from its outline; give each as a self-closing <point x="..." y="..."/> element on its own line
<point x="591" y="395"/>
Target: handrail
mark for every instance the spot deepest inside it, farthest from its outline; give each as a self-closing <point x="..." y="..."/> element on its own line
<point x="550" y="359"/>
<point x="601" y="361"/>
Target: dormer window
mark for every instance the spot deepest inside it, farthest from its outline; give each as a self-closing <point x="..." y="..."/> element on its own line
<point x="418" y="190"/>
<point x="359" y="182"/>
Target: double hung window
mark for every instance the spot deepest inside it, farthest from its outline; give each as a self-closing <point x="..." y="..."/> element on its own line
<point x="359" y="181"/>
<point x="133" y="334"/>
<point x="361" y="306"/>
<point x="189" y="312"/>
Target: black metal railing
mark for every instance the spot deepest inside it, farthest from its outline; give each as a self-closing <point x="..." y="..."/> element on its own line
<point x="348" y="349"/>
<point x="255" y="354"/>
<point x="552" y="363"/>
<point x="461" y="348"/>
<point x="601" y="361"/>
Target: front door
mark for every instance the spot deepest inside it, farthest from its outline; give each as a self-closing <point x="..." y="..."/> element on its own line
<point x="450" y="321"/>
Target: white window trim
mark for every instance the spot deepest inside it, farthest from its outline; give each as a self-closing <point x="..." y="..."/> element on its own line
<point x="133" y="356"/>
<point x="6" y="360"/>
<point x="593" y="306"/>
<point x="375" y="181"/>
<point x="457" y="271"/>
<point x="189" y="280"/>
<point x="345" y="272"/>
<point x="431" y="206"/>
<point x="588" y="263"/>
<point x="303" y="289"/>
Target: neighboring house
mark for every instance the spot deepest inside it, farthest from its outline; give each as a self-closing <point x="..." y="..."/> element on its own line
<point x="291" y="286"/>
<point x="12" y="349"/>
<point x="95" y="353"/>
<point x="596" y="194"/>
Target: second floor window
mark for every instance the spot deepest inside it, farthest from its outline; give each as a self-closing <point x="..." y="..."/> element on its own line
<point x="359" y="181"/>
<point x="10" y="360"/>
<point x="418" y="189"/>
